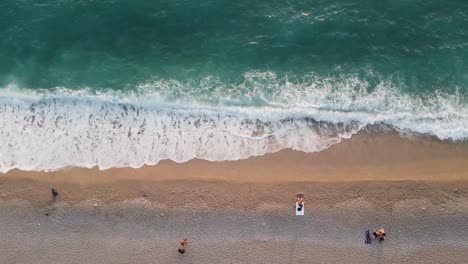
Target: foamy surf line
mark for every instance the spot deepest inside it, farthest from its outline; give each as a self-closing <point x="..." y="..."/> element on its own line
<point x="50" y="131"/>
<point x="54" y="133"/>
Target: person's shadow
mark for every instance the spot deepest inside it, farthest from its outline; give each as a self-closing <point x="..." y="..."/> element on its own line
<point x="377" y="250"/>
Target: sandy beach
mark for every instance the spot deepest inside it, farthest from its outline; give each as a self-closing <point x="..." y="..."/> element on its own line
<point x="242" y="211"/>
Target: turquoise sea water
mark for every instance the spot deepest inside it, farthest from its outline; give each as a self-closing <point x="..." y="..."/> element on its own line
<point x="127" y="83"/>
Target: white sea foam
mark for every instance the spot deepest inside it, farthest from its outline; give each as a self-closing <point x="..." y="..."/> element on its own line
<point x="49" y="130"/>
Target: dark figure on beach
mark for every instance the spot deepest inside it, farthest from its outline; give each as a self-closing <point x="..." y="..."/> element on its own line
<point x="380" y="234"/>
<point x="368" y="237"/>
<point x="183" y="243"/>
<point x="54" y="192"/>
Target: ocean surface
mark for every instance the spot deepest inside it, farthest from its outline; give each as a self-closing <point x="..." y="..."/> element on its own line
<point x="115" y="83"/>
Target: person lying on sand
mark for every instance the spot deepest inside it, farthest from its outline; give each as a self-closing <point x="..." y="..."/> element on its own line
<point x="300" y="202"/>
<point x="380" y="234"/>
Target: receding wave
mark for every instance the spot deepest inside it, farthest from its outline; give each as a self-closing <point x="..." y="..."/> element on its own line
<point x="208" y="119"/>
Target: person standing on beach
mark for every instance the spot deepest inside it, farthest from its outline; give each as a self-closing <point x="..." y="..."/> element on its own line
<point x="183" y="243"/>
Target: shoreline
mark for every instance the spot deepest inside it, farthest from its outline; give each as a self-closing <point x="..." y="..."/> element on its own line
<point x="422" y="167"/>
<point x="364" y="157"/>
<point x="242" y="211"/>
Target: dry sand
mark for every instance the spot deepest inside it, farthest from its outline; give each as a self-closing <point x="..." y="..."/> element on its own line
<point x="241" y="211"/>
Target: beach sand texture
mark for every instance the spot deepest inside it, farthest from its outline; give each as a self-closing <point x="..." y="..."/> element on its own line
<point x="242" y="211"/>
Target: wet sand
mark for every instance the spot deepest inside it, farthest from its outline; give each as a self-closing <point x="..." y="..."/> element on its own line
<point x="242" y="211"/>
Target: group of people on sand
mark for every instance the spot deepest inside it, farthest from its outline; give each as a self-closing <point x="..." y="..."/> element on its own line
<point x="380" y="234"/>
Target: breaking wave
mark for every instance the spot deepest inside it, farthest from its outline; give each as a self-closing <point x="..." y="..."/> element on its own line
<point x="209" y="119"/>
